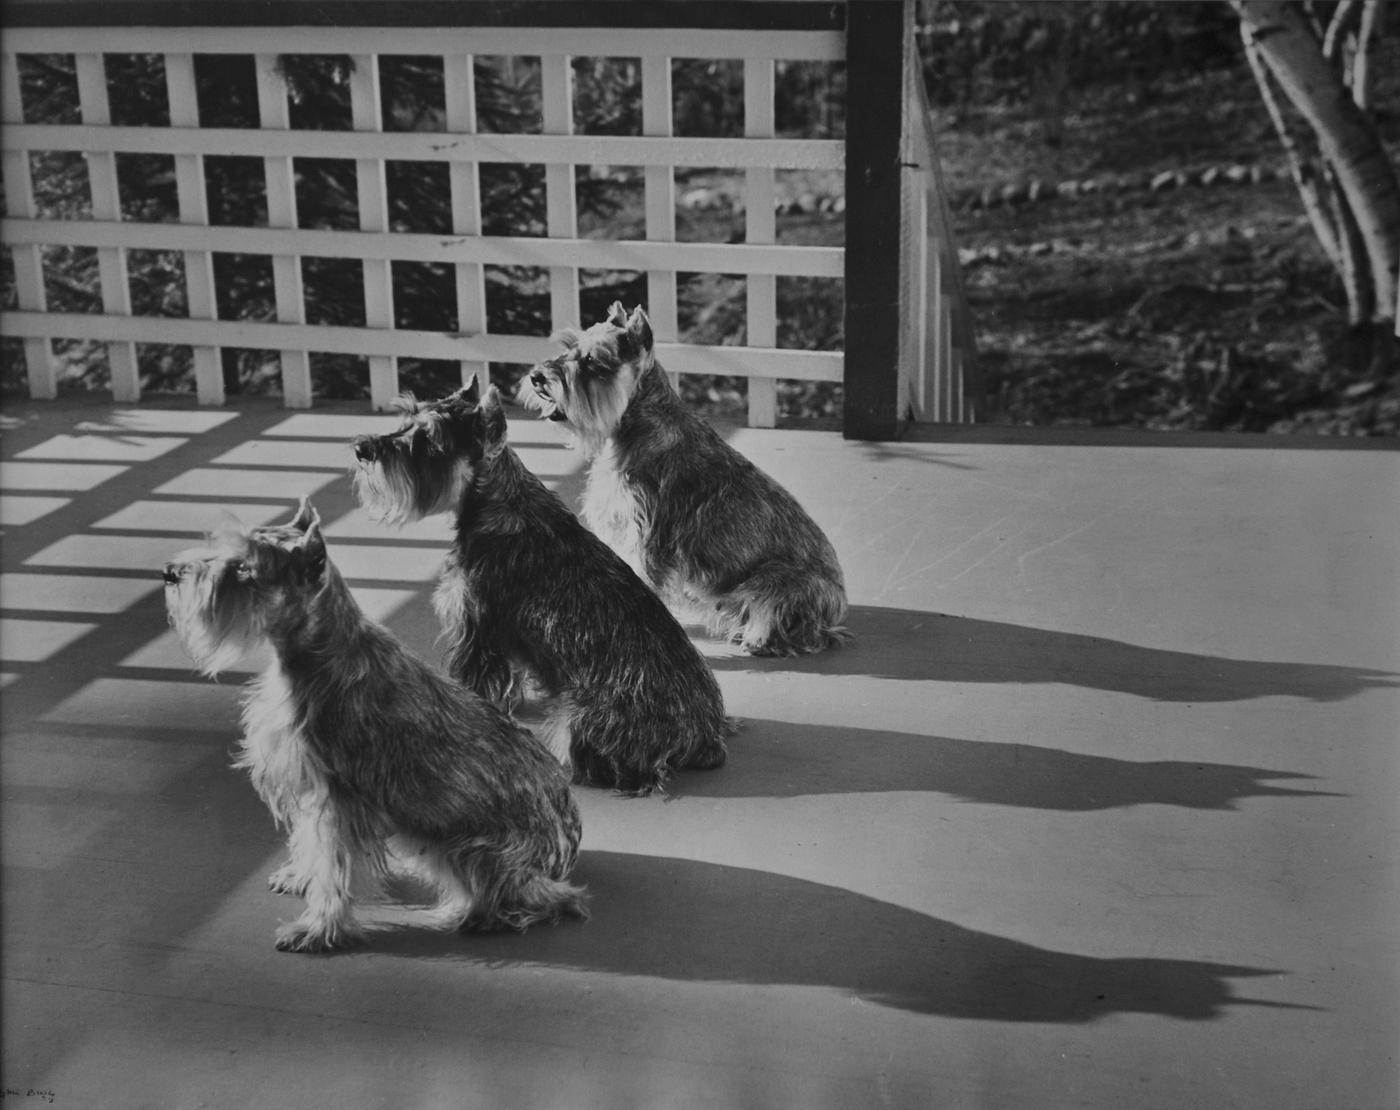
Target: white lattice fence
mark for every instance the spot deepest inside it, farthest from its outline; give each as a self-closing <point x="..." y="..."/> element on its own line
<point x="921" y="376"/>
<point x="563" y="253"/>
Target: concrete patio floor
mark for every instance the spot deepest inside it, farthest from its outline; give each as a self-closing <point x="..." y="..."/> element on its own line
<point x="1099" y="809"/>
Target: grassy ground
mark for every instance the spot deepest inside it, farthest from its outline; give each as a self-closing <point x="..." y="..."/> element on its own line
<point x="1202" y="307"/>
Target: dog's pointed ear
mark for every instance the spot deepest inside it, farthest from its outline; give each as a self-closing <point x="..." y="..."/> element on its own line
<point x="639" y="328"/>
<point x="617" y="315"/>
<point x="306" y="515"/>
<point x="313" y="549"/>
<point x="470" y="391"/>
<point x="493" y="421"/>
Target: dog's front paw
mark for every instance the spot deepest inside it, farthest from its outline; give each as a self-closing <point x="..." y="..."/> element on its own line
<point x="301" y="937"/>
<point x="761" y="649"/>
<point x="285" y="880"/>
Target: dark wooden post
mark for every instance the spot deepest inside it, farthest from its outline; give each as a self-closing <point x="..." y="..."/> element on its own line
<point x="875" y="61"/>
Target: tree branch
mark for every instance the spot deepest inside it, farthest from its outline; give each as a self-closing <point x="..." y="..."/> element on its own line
<point x="1299" y="167"/>
<point x="1372" y="20"/>
<point x="1353" y="265"/>
<point x="1342" y="21"/>
<point x="1347" y="136"/>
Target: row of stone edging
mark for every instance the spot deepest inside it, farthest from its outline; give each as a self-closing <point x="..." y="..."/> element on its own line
<point x="996" y="253"/>
<point x="1025" y="191"/>
<point x="1038" y="190"/>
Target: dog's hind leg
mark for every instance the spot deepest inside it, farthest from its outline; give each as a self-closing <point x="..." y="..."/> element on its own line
<point x="708" y="757"/>
<point x="610" y="746"/>
<point x="578" y="735"/>
<point x="557" y="731"/>
<point x="786" y="610"/>
<point x="516" y="892"/>
<point x="432" y="865"/>
<point x="473" y="661"/>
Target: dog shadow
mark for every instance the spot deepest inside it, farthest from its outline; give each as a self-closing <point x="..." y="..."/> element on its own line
<point x="690" y="921"/>
<point x="777" y="759"/>
<point x="918" y="646"/>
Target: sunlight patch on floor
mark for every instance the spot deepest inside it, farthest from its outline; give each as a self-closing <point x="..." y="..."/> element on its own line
<point x="290" y="452"/>
<point x="211" y="482"/>
<point x="75" y="477"/>
<point x="32" y="641"/>
<point x="25" y="510"/>
<point x="72" y="593"/>
<point x="196" y="707"/>
<point x="188" y="421"/>
<point x="192" y="517"/>
<point x="104" y="552"/>
<point x="101" y="448"/>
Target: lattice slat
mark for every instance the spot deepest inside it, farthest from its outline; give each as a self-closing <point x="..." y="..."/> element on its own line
<point x="459" y="87"/>
<point x="373" y="197"/>
<point x="602" y="254"/>
<point x="658" y="119"/>
<point x="760" y="224"/>
<point x="106" y="205"/>
<point x="194" y="209"/>
<point x="434" y="146"/>
<point x="561" y="206"/>
<point x="823" y="366"/>
<point x="27" y="258"/>
<point x="279" y="175"/>
<point x="356" y="41"/>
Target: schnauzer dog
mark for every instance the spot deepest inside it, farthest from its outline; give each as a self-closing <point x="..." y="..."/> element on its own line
<point x="367" y="755"/>
<point x="718" y="538"/>
<point x="528" y="594"/>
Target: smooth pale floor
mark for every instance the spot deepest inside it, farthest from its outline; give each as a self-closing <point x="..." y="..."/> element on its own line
<point x="1098" y="809"/>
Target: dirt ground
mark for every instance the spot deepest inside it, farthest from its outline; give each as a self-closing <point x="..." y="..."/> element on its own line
<point x="1146" y="298"/>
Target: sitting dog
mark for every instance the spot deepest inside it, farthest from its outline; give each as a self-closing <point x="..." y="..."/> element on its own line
<point x="529" y="593"/>
<point x="367" y="754"/>
<point x="717" y="537"/>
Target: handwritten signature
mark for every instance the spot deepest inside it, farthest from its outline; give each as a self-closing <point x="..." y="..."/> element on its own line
<point x="26" y="1092"/>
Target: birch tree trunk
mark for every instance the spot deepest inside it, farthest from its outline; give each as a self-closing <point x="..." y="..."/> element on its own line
<point x="1326" y="89"/>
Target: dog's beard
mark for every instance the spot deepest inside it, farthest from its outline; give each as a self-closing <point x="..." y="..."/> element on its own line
<point x="218" y="629"/>
<point x="386" y="493"/>
<point x="390" y="495"/>
<point x="539" y="399"/>
<point x="593" y="409"/>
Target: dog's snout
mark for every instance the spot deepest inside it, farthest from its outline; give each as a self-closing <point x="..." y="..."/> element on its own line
<point x="171" y="574"/>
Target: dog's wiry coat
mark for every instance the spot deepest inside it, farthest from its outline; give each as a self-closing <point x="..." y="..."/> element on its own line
<point x="714" y="534"/>
<point x="529" y="593"/>
<point x="372" y="759"/>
